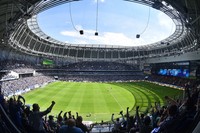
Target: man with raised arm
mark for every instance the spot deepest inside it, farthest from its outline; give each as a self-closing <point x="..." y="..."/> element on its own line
<point x="117" y="123"/>
<point x="36" y="118"/>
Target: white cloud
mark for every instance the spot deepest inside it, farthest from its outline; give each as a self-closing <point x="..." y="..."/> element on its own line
<point x="154" y="33"/>
<point x="78" y="27"/>
<point x="115" y="26"/>
<point x="69" y="33"/>
<point x="166" y="22"/>
<point x="105" y="38"/>
<point x="81" y="42"/>
<point x="115" y="38"/>
<point x="99" y="1"/>
<point x="73" y="33"/>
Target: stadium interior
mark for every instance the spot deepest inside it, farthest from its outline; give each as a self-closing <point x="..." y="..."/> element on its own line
<point x="29" y="58"/>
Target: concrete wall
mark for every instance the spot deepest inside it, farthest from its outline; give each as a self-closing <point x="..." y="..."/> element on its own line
<point x="183" y="57"/>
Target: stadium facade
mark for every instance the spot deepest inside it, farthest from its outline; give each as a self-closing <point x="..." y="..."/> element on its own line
<point x="22" y="38"/>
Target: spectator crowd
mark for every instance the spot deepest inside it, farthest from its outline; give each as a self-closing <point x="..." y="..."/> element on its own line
<point x="177" y="116"/>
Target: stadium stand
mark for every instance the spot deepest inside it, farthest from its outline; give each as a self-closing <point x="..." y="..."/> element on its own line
<point x="20" y="85"/>
<point x="24" y="48"/>
<point x="95" y="71"/>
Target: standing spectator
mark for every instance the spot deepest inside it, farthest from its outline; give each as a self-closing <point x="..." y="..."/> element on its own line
<point x="52" y="125"/>
<point x="143" y="126"/>
<point x="117" y="123"/>
<point x="130" y="120"/>
<point x="79" y="124"/>
<point x="70" y="127"/>
<point x="60" y="121"/>
<point x="167" y="123"/>
<point x="15" y="108"/>
<point x="36" y="120"/>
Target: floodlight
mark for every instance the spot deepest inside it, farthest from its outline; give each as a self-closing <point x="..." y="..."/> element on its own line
<point x="81" y="32"/>
<point x="138" y="36"/>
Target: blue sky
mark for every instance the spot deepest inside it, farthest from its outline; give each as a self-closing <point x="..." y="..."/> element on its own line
<point x="118" y="23"/>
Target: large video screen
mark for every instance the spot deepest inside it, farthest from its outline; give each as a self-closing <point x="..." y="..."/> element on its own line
<point x="47" y="62"/>
<point x="174" y="72"/>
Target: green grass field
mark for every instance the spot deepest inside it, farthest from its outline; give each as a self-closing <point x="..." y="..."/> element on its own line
<point x="99" y="99"/>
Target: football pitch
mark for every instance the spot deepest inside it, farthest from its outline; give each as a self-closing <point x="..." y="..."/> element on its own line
<point x="97" y="101"/>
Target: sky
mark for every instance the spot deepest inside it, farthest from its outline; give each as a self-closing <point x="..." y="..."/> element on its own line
<point x="117" y="23"/>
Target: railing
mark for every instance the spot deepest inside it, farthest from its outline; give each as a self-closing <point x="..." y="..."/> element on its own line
<point x="7" y="126"/>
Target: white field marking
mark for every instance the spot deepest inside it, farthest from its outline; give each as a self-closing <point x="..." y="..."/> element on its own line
<point x="116" y="100"/>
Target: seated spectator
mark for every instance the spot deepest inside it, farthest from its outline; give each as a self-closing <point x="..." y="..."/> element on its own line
<point x="36" y="120"/>
<point x="70" y="127"/>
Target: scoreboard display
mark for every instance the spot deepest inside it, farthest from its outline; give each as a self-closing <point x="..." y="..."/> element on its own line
<point x="47" y="62"/>
<point x="176" y="69"/>
<point x="174" y="72"/>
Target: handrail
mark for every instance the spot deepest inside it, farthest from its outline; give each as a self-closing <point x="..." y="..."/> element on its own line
<point x="8" y="119"/>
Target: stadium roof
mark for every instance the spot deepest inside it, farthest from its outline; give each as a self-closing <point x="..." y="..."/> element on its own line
<point x="117" y="23"/>
<point x="19" y="30"/>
